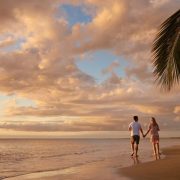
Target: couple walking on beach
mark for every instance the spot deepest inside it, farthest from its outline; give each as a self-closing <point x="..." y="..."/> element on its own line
<point x="135" y="128"/>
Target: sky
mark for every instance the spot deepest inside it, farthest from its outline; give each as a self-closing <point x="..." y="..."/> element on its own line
<point x="81" y="65"/>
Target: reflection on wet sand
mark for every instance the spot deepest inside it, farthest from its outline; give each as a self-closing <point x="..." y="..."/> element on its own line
<point x="157" y="156"/>
<point x="136" y="160"/>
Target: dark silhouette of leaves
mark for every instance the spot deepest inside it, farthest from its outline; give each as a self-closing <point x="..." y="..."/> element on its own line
<point x="166" y="52"/>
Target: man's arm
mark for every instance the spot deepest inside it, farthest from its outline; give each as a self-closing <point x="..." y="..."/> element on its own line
<point x="130" y="128"/>
<point x="142" y="132"/>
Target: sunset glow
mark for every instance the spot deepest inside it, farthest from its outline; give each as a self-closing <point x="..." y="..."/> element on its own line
<point x="73" y="66"/>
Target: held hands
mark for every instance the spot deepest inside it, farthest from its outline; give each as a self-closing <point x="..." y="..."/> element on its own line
<point x="144" y="135"/>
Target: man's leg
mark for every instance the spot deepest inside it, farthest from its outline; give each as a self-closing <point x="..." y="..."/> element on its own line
<point x="137" y="139"/>
<point x="136" y="150"/>
<point x="132" y="147"/>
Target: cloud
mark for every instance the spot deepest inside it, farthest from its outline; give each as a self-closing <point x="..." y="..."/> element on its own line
<point x="141" y="72"/>
<point x="111" y="67"/>
<point x="177" y="110"/>
<point x="43" y="69"/>
<point x="114" y="79"/>
<point x="6" y="42"/>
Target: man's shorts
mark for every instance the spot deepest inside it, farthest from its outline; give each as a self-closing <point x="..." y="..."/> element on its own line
<point x="135" y="139"/>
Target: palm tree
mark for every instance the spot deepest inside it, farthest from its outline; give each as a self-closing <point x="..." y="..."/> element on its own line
<point x="166" y="52"/>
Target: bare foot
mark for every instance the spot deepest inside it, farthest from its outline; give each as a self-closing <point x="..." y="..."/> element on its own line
<point x="132" y="154"/>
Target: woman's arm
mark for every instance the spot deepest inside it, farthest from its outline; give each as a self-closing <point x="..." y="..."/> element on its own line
<point x="147" y="132"/>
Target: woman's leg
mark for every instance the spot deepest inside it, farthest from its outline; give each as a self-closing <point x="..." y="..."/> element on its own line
<point x="154" y="147"/>
<point x="158" y="148"/>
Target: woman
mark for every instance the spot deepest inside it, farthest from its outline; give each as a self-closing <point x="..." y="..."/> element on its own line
<point x="153" y="129"/>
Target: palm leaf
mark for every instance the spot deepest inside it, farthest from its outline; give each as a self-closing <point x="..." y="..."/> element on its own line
<point x="166" y="52"/>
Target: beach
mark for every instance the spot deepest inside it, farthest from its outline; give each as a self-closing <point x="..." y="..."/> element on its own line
<point x="97" y="159"/>
<point x="166" y="169"/>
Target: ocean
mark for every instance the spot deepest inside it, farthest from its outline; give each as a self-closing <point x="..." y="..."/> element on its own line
<point x="66" y="159"/>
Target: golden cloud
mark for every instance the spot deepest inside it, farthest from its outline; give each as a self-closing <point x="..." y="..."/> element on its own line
<point x="44" y="68"/>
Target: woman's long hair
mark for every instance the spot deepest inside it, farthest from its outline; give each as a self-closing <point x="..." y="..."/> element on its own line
<point x="154" y="123"/>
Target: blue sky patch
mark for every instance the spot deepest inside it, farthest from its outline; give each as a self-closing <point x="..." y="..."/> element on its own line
<point x="75" y="14"/>
<point x="13" y="47"/>
<point x="94" y="63"/>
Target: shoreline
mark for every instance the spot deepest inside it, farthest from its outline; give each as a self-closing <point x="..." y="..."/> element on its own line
<point x="166" y="169"/>
<point x="110" y="168"/>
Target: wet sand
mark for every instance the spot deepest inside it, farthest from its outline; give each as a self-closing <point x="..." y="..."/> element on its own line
<point x="165" y="169"/>
<point x="97" y="171"/>
<point x="111" y="168"/>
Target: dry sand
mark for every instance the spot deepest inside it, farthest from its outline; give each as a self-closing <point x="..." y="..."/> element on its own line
<point x="161" y="169"/>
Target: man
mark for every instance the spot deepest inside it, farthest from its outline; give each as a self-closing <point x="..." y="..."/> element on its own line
<point x="135" y="128"/>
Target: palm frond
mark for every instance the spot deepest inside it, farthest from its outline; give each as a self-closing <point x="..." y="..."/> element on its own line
<point x="166" y="52"/>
